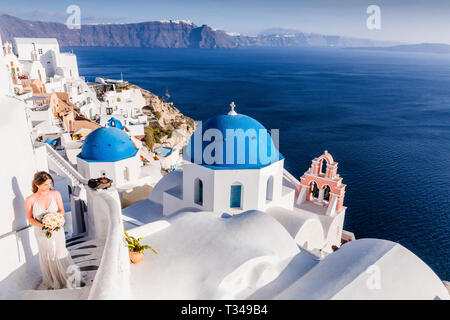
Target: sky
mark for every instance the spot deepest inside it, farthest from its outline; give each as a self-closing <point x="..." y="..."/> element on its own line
<point x="409" y="21"/>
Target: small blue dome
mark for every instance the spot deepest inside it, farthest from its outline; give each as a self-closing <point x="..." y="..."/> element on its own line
<point x="113" y="122"/>
<point x="257" y="152"/>
<point x="107" y="144"/>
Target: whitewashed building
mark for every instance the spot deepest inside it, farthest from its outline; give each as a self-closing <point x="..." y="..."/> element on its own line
<point x="237" y="179"/>
<point x="47" y="52"/>
<point x="84" y="97"/>
<point x="124" y="105"/>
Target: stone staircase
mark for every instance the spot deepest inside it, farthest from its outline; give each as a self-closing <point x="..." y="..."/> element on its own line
<point x="58" y="164"/>
<point x="86" y="254"/>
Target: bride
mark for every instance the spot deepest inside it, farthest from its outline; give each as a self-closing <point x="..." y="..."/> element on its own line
<point x="55" y="260"/>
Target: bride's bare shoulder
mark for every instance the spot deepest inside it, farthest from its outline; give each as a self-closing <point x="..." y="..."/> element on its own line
<point x="56" y="193"/>
<point x="30" y="198"/>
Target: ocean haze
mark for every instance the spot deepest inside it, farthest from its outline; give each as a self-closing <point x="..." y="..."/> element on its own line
<point x="384" y="116"/>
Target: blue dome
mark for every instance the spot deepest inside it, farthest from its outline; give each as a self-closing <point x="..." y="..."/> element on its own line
<point x="251" y="147"/>
<point x="107" y="144"/>
<point x="113" y="122"/>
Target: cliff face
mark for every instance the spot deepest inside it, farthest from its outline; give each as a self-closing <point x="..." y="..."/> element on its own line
<point x="147" y="34"/>
<point x="159" y="34"/>
<point x="166" y="120"/>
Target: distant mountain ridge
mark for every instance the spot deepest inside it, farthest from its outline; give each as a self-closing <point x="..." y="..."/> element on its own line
<point x="165" y="34"/>
<point x="439" y="48"/>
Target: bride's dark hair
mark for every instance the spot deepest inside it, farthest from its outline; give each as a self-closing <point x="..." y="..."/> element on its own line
<point x="39" y="178"/>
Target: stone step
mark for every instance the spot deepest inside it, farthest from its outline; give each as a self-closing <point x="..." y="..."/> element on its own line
<point x="60" y="294"/>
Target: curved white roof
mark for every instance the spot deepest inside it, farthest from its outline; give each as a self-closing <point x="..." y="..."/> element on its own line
<point x="205" y="256"/>
<point x="353" y="271"/>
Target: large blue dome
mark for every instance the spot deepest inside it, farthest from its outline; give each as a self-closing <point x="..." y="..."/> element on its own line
<point x="247" y="144"/>
<point x="107" y="144"/>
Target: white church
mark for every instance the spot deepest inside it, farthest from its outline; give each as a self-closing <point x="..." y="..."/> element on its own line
<point x="247" y="182"/>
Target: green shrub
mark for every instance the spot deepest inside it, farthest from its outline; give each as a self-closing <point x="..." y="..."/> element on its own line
<point x="149" y="139"/>
<point x="134" y="245"/>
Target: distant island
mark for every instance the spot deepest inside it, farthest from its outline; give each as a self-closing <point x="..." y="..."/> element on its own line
<point x="170" y="34"/>
<point x="439" y="48"/>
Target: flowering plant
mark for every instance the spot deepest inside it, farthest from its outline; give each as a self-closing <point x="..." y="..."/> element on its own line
<point x="135" y="246"/>
<point x="52" y="221"/>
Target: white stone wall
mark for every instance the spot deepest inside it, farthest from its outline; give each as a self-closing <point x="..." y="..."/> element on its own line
<point x="217" y="188"/>
<point x="105" y="224"/>
<point x="113" y="170"/>
<point x="192" y="172"/>
<point x="5" y="79"/>
<point x="56" y="84"/>
<point x="66" y="65"/>
<point x="40" y="155"/>
<point x="19" y="268"/>
<point x="40" y="116"/>
<point x="34" y="70"/>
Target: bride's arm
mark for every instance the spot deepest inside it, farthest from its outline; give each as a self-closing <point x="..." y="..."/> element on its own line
<point x="29" y="212"/>
<point x="59" y="202"/>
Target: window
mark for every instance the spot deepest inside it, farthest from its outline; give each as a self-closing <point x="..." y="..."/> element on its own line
<point x="40" y="51"/>
<point x="198" y="191"/>
<point x="314" y="190"/>
<point x="235" y="196"/>
<point x="126" y="174"/>
<point x="109" y="111"/>
<point x="269" y="189"/>
<point x="326" y="193"/>
<point x="323" y="167"/>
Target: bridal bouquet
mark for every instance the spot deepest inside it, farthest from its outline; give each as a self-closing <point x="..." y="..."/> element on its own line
<point x="52" y="221"/>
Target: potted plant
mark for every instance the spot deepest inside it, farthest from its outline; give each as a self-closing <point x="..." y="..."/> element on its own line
<point x="136" y="249"/>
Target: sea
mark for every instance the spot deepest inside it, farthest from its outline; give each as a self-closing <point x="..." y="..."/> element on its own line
<point x="384" y="117"/>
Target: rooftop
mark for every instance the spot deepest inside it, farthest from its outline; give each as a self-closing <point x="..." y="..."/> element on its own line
<point x="36" y="40"/>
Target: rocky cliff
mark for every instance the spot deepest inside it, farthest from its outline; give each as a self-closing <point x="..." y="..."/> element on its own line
<point x="168" y="126"/>
<point x="164" y="34"/>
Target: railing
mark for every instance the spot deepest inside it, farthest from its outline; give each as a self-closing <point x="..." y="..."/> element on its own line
<point x="291" y="178"/>
<point x="66" y="169"/>
<point x="112" y="278"/>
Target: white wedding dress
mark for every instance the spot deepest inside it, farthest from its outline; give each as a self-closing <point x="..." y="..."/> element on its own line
<point x="56" y="263"/>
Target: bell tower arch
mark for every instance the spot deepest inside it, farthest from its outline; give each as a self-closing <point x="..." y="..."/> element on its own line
<point x="322" y="184"/>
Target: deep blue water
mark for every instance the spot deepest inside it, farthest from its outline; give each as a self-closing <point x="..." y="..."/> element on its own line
<point x="385" y="117"/>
